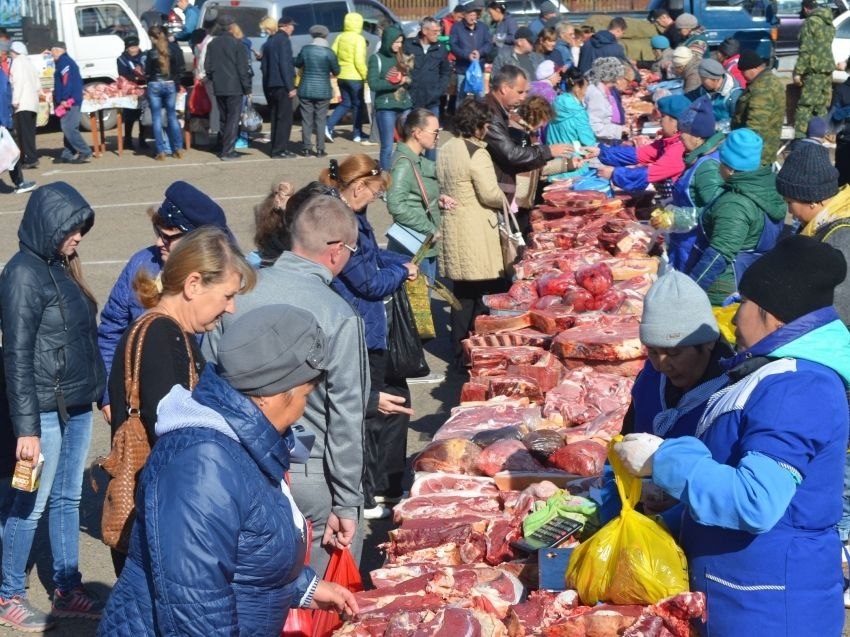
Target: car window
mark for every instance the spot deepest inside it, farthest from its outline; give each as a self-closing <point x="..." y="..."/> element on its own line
<point x="106" y="19"/>
<point x="330" y="14"/>
<point x="373" y="15"/>
<point x="248" y="18"/>
<point x="843" y="30"/>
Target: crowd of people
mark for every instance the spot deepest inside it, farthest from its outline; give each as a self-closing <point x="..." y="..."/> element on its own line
<point x="261" y="380"/>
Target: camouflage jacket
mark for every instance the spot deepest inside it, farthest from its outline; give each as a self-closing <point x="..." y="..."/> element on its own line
<point x="816" y="37"/>
<point x="762" y="108"/>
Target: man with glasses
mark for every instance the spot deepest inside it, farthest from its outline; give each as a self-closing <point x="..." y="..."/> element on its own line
<point x="183" y="209"/>
<point x="327" y="489"/>
<point x="431" y="69"/>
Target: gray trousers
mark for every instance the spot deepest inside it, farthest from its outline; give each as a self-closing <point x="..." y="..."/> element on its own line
<point x="314" y="115"/>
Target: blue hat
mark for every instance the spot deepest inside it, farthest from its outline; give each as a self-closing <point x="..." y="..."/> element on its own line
<point x="659" y="42"/>
<point x="673" y="105"/>
<point x="187" y="208"/>
<point x="742" y="150"/>
<point x="817" y="127"/>
<point x="698" y="119"/>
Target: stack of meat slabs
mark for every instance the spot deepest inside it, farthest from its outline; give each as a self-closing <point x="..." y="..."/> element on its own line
<point x="609" y="343"/>
<point x="467" y="420"/>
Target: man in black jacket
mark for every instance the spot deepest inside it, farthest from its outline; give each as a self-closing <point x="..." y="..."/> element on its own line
<point x="278" y="66"/>
<point x="431" y="69"/>
<point x="228" y="68"/>
<point x="508" y="89"/>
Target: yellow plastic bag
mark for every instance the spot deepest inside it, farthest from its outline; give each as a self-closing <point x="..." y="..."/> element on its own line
<point x="630" y="560"/>
<point x="724" y="316"/>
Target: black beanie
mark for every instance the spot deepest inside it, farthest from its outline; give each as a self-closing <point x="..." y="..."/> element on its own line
<point x="797" y="277"/>
<point x="749" y="60"/>
<point x="808" y="174"/>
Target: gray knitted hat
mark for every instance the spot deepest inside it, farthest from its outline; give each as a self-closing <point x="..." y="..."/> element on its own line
<point x="676" y="313"/>
<point x="808" y="174"/>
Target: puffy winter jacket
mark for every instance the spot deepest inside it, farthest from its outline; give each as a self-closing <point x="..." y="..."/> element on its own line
<point x="319" y="63"/>
<point x="370" y="274"/>
<point x="351" y="48"/>
<point x="388" y="96"/>
<point x="216" y="547"/>
<point x="49" y="331"/>
<point x="600" y="45"/>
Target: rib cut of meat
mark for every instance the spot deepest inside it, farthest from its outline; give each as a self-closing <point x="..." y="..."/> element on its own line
<point x="486" y="359"/>
<point x="438" y="483"/>
<point x="466" y="421"/>
<point x="453" y="455"/>
<point x="524" y="336"/>
<point x="515" y="386"/>
<point x="487" y="324"/>
<point x="446" y="506"/>
<point x="407" y="540"/>
<point x="506" y="455"/>
<point x="474" y="390"/>
<point x="546" y="371"/>
<point x="614" y="338"/>
<point x="554" y="319"/>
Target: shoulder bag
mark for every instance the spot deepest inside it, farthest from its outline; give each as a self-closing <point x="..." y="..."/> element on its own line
<point x="510" y="240"/>
<point x="130" y="445"/>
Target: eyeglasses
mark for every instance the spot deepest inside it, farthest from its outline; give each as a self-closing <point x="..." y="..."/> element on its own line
<point x="167" y="239"/>
<point x="375" y="193"/>
<point x="351" y="249"/>
<point x="435" y="133"/>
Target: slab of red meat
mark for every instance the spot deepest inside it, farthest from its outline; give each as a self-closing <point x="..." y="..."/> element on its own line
<point x="554" y="319"/>
<point x="487" y="324"/>
<point x="392" y="574"/>
<point x="447" y="621"/>
<point x="601" y="340"/>
<point x="406" y="540"/>
<point x="502" y="301"/>
<point x="599" y="621"/>
<point x="539" y="610"/>
<point x="547" y="371"/>
<point x="524" y="292"/>
<point x="602" y="428"/>
<point x="670" y="617"/>
<point x="547" y="301"/>
<point x="506" y="455"/>
<point x="430" y="484"/>
<point x="555" y="284"/>
<point x="445" y="506"/>
<point x="454" y="455"/>
<point x="584" y="458"/>
<point x="474" y="390"/>
<point x="525" y="336"/>
<point x="489" y="357"/>
<point x="515" y="386"/>
<point x="553" y="239"/>
<point x="466" y="421"/>
<point x="628" y="369"/>
<point x="585" y="394"/>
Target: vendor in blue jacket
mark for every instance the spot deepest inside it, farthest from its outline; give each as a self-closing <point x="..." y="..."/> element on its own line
<point x="218" y="545"/>
<point x="67" y="101"/>
<point x="469" y="41"/>
<point x="760" y="482"/>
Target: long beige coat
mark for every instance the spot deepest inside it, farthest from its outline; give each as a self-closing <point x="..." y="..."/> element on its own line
<point x="470" y="244"/>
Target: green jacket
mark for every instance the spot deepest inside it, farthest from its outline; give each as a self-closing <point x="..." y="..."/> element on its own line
<point x="736" y="219"/>
<point x="404" y="197"/>
<point x="816" y="35"/>
<point x="318" y="63"/>
<point x="706" y="182"/>
<point x="762" y="108"/>
<point x="388" y="96"/>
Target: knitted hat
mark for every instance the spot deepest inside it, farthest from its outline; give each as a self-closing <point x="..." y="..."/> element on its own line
<point x="673" y="105"/>
<point x="187" y="208"/>
<point x="742" y="150"/>
<point x="698" y="120"/>
<point x="729" y="47"/>
<point x="545" y="70"/>
<point x="319" y="31"/>
<point x="797" y="277"/>
<point x="659" y="42"/>
<point x="524" y="33"/>
<point x="676" y="313"/>
<point x="682" y="55"/>
<point x="548" y="7"/>
<point x="607" y="69"/>
<point x="711" y="68"/>
<point x="749" y="60"/>
<point x="272" y="349"/>
<point x="225" y="21"/>
<point x="817" y="127"/>
<point x="808" y="174"/>
<point x="687" y="21"/>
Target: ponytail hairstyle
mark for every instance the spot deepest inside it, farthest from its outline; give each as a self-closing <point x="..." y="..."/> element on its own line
<point x="160" y="43"/>
<point x="270" y="223"/>
<point x="417" y="118"/>
<point x="574" y="78"/>
<point x="357" y="167"/>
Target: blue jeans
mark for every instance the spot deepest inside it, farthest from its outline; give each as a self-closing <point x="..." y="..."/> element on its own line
<point x="164" y="95"/>
<point x="65" y="447"/>
<point x="350" y="92"/>
<point x="72" y="137"/>
<point x="386" y="127"/>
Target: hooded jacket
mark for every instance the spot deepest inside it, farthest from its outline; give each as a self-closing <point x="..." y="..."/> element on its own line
<point x="600" y="45"/>
<point x="49" y="331"/>
<point x="217" y="546"/>
<point x="388" y="96"/>
<point x="351" y="48"/>
<point x="571" y="125"/>
<point x="760" y="484"/>
<point x="318" y="63"/>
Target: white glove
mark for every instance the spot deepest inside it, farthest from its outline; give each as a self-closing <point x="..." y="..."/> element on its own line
<point x="636" y="451"/>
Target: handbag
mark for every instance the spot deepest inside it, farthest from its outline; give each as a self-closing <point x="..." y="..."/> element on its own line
<point x="409" y="239"/>
<point x="199" y="101"/>
<point x="510" y="240"/>
<point x="130" y="445"/>
<point x="405" y="355"/>
<point x="342" y="570"/>
<point x="526" y="188"/>
<point x="420" y="304"/>
<point x="9" y="151"/>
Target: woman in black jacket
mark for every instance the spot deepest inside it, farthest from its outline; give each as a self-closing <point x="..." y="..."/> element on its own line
<point x="163" y="67"/>
<point x="53" y="375"/>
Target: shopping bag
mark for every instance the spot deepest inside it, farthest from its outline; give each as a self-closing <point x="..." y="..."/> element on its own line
<point x="473" y="81"/>
<point x="526" y="188"/>
<point x="251" y="121"/>
<point x="420" y="304"/>
<point x="9" y="151"/>
<point x="299" y="621"/>
<point x="342" y="570"/>
<point x="405" y="355"/>
<point x="630" y="560"/>
<point x="199" y="102"/>
<point x="510" y="239"/>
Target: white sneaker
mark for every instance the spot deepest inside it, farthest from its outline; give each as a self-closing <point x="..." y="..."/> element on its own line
<point x="847" y="598"/>
<point x="378" y="512"/>
<point x="357" y="139"/>
<point x="328" y="135"/>
<point x="26" y="186"/>
<point x="366" y="142"/>
<point x="382" y="499"/>
<point x="433" y="377"/>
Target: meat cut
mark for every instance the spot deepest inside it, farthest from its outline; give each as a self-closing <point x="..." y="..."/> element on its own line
<point x="605" y="338"/>
<point x="507" y="455"/>
<point x="466" y="421"/>
<point x="452" y="455"/>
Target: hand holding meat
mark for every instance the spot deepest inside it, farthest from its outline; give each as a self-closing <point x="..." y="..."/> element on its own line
<point x="331" y="596"/>
<point x="636" y="452"/>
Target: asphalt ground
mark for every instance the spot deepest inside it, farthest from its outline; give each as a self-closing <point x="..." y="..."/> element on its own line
<point x="121" y="189"/>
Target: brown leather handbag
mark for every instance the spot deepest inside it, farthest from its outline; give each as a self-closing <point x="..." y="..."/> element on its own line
<point x="130" y="446"/>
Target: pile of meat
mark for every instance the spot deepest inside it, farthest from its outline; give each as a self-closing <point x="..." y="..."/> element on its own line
<point x="122" y="87"/>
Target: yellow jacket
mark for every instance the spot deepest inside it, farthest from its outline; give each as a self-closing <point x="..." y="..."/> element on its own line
<point x="350" y="48"/>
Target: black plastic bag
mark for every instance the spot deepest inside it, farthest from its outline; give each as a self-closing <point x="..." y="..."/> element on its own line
<point x="405" y="355"/>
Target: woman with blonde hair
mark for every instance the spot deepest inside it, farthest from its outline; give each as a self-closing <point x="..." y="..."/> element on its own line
<point x="546" y="46"/>
<point x="163" y="67"/>
<point x="196" y="286"/>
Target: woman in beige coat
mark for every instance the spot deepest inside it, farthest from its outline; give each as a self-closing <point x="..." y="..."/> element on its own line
<point x="471" y="255"/>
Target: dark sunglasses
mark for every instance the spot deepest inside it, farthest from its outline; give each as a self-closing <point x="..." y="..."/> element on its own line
<point x="167" y="239"/>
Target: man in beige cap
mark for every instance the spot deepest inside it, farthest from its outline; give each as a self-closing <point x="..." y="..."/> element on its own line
<point x="686" y="66"/>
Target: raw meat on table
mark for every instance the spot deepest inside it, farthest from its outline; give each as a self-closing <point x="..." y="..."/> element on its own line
<point x="584" y="394"/>
<point x="487" y="324"/>
<point x="466" y="421"/>
<point x="452" y="455"/>
<point x="446" y="506"/>
<point x="584" y="458"/>
<point x="605" y="338"/>
<point x="507" y="455"/>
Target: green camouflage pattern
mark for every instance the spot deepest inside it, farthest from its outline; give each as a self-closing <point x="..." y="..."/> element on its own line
<point x="814" y="101"/>
<point x="816" y="35"/>
<point x="762" y="108"/>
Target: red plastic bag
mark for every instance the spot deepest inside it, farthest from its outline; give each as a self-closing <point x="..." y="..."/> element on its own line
<point x="299" y="621"/>
<point x="342" y="569"/>
<point x="199" y="100"/>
